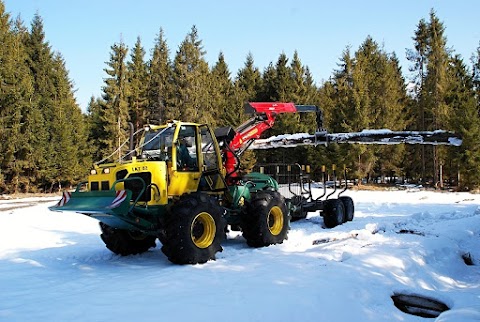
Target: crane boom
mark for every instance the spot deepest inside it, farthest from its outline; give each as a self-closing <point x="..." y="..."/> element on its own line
<point x="247" y="135"/>
<point x="235" y="142"/>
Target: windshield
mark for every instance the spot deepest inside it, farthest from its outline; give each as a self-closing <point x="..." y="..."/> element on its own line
<point x="158" y="144"/>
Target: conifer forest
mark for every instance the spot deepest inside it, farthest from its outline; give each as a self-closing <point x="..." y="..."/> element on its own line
<point x="48" y="142"/>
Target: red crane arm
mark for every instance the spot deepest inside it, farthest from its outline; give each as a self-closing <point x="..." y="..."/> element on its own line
<point x="251" y="130"/>
<point x="263" y="120"/>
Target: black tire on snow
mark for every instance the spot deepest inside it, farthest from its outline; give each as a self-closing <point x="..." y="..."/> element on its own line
<point x="124" y="242"/>
<point x="349" y="207"/>
<point x="334" y="213"/>
<point x="267" y="220"/>
<point x="194" y="229"/>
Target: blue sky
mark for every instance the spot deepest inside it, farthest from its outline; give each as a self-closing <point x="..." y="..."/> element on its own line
<point x="83" y="31"/>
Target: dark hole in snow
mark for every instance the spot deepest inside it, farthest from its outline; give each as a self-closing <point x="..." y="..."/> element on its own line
<point x="467" y="258"/>
<point x="409" y="231"/>
<point x="419" y="305"/>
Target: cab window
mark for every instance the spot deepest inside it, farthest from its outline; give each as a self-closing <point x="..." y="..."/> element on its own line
<point x="187" y="149"/>
<point x="210" y="160"/>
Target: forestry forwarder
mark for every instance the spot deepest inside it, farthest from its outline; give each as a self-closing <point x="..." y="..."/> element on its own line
<point x="183" y="187"/>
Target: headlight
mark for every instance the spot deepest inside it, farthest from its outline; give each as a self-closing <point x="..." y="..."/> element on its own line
<point x="106" y="170"/>
<point x="93" y="171"/>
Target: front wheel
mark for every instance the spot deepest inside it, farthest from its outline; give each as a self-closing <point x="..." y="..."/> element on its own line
<point x="194" y="230"/>
<point x="125" y="242"/>
<point x="267" y="220"/>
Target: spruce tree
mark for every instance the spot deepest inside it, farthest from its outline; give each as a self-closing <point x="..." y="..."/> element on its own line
<point x="53" y="123"/>
<point x="366" y="92"/>
<point x="138" y="86"/>
<point x="430" y="59"/>
<point x="68" y="131"/>
<point x="114" y="112"/>
<point x="304" y="91"/>
<point x="417" y="154"/>
<point x="476" y="75"/>
<point x="247" y="86"/>
<point x="268" y="91"/>
<point x="190" y="78"/>
<point x="279" y="86"/>
<point x="14" y="92"/>
<point x="465" y="120"/>
<point x="40" y="161"/>
<point x="330" y="154"/>
<point x="224" y="111"/>
<point x="95" y="127"/>
<point x="392" y="103"/>
<point x="249" y="80"/>
<point x="44" y="142"/>
<point x="337" y="99"/>
<point x="160" y="88"/>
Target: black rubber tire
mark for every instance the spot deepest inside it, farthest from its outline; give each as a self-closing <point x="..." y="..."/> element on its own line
<point x="267" y="220"/>
<point x="124" y="242"/>
<point x="300" y="213"/>
<point x="194" y="229"/>
<point x="334" y="213"/>
<point x="349" y="207"/>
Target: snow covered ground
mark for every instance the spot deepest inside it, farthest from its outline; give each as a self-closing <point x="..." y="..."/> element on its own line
<point x="54" y="267"/>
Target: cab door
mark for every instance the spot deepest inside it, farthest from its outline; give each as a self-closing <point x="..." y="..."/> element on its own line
<point x="212" y="178"/>
<point x="185" y="169"/>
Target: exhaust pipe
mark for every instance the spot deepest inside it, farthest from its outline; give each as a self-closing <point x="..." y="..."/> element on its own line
<point x="131" y="147"/>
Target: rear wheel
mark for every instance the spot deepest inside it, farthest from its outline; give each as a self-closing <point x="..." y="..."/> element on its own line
<point x="349" y="207"/>
<point x="267" y="220"/>
<point x="194" y="230"/>
<point x="125" y="242"/>
<point x="334" y="213"/>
